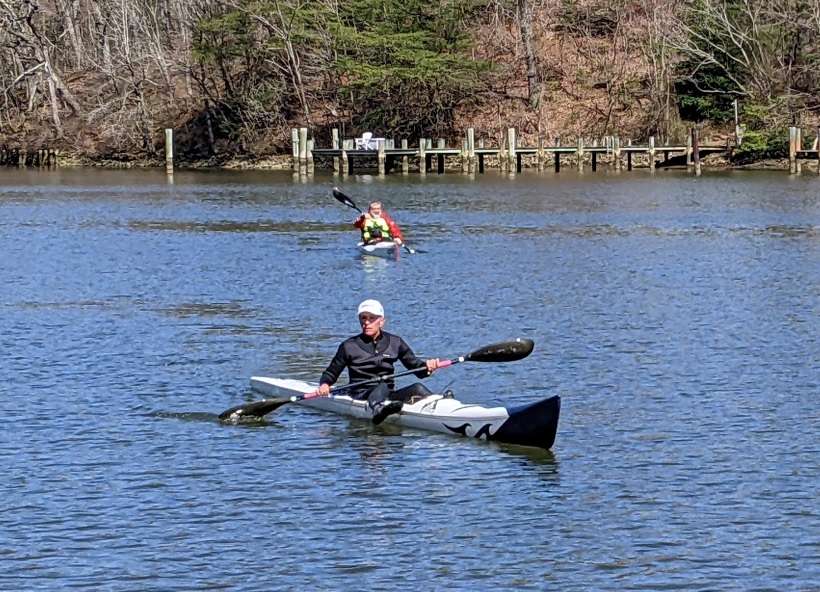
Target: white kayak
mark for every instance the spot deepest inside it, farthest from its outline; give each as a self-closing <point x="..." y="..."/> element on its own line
<point x="384" y="249"/>
<point x="535" y="424"/>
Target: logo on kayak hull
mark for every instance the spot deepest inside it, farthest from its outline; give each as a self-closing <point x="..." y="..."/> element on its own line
<point x="462" y="429"/>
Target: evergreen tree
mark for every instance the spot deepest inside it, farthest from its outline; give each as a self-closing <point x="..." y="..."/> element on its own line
<point x="405" y="64"/>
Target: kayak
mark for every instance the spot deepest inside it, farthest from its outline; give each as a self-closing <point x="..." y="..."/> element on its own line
<point x="385" y="249"/>
<point x="534" y="424"/>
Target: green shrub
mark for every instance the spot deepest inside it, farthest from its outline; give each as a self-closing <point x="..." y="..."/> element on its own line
<point x="761" y="145"/>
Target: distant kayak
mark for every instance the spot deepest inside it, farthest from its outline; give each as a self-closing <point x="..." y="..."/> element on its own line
<point x="383" y="249"/>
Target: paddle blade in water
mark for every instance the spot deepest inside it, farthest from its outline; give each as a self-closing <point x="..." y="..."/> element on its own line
<point x="506" y="351"/>
<point x="256" y="409"/>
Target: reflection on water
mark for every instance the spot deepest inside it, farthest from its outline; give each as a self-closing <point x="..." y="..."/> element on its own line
<point x="676" y="316"/>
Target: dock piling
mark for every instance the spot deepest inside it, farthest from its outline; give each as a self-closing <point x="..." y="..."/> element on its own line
<point x="303" y="150"/>
<point x="335" y="139"/>
<point x="294" y="133"/>
<point x="580" y="154"/>
<point x="382" y="159"/>
<point x="471" y="150"/>
<point x="513" y="161"/>
<point x="793" y="150"/>
<point x="169" y="151"/>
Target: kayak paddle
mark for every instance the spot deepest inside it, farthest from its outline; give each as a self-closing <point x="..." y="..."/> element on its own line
<point x="351" y="204"/>
<point x="505" y="351"/>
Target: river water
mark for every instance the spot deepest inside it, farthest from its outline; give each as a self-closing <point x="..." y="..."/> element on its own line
<point x="676" y="316"/>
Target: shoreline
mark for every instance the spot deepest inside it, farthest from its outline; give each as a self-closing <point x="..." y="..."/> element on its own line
<point x="285" y="163"/>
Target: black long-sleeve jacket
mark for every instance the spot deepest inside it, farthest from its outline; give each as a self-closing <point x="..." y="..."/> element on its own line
<point x="365" y="358"/>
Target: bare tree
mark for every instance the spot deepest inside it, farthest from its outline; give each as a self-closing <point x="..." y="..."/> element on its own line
<point x="769" y="50"/>
<point x="525" y="10"/>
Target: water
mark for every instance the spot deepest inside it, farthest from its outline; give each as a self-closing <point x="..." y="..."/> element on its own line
<point x="676" y="316"/>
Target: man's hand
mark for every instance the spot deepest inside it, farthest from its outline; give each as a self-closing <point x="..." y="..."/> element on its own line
<point x="397" y="241"/>
<point x="323" y="390"/>
<point x="431" y="364"/>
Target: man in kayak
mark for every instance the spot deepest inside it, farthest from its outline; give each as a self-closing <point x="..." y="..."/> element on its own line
<point x="377" y="226"/>
<point x="372" y="353"/>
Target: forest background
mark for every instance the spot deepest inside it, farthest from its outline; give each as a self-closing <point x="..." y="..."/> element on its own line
<point x="102" y="79"/>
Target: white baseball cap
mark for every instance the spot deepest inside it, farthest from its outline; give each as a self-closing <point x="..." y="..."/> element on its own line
<point x="372" y="306"/>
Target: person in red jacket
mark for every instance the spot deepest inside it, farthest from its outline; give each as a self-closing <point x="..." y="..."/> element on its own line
<point x="377" y="226"/>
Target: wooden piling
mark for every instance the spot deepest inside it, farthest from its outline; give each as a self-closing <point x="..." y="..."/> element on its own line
<point x="169" y="151"/>
<point x="690" y="159"/>
<point x="335" y="139"/>
<point x="792" y="150"/>
<point x="295" y="150"/>
<point x="616" y="151"/>
<point x="817" y="148"/>
<point x="738" y="138"/>
<point x="594" y="156"/>
<point x="696" y="150"/>
<point x="557" y="156"/>
<point x="481" y="155"/>
<point x="344" y="159"/>
<point x="382" y="158"/>
<point x="405" y="160"/>
<point x="471" y="150"/>
<point x="580" y="154"/>
<point x="422" y="157"/>
<point x="540" y="155"/>
<point x="303" y="150"/>
<point x="441" y="144"/>
<point x="799" y="148"/>
<point x="511" y="153"/>
<point x="652" y="152"/>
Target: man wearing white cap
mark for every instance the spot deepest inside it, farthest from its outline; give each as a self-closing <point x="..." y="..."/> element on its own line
<point x="372" y="353"/>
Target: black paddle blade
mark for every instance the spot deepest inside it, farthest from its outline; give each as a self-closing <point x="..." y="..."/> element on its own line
<point x="506" y="351"/>
<point x="344" y="199"/>
<point x="256" y="409"/>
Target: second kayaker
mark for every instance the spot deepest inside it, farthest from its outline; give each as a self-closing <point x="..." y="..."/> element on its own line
<point x="376" y="225"/>
<point x="372" y="353"/>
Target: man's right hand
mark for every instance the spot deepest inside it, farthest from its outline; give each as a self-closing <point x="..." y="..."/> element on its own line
<point x="323" y="390"/>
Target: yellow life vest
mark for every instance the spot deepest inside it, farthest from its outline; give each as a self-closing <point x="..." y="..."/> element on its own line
<point x="375" y="229"/>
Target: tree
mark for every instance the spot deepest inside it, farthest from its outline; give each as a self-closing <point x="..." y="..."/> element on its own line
<point x="404" y="64"/>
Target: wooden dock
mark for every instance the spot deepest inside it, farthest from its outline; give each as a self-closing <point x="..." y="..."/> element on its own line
<point x="41" y="158"/>
<point x="347" y="155"/>
<point x="472" y="156"/>
<point x="797" y="152"/>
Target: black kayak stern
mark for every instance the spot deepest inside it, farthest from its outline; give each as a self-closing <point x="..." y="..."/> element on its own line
<point x="535" y="424"/>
